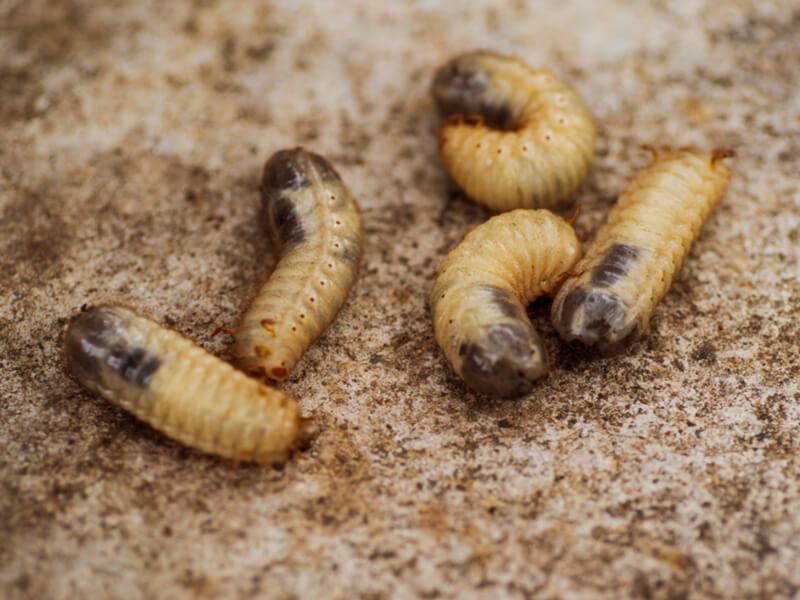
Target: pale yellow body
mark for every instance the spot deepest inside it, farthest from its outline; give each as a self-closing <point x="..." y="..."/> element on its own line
<point x="309" y="284"/>
<point x="660" y="214"/>
<point x="192" y="396"/>
<point x="541" y="159"/>
<point x="524" y="252"/>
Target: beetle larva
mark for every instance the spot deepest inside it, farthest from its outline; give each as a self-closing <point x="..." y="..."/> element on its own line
<point x="630" y="264"/>
<point x="315" y="224"/>
<point x="478" y="300"/>
<point x="516" y="137"/>
<point x="179" y="388"/>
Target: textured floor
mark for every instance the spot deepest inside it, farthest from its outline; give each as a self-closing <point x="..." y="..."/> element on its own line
<point x="131" y="140"/>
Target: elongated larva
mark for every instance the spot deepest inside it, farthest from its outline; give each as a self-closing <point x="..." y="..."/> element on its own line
<point x="532" y="142"/>
<point x="630" y="264"/>
<point x="179" y="388"/>
<point x="478" y="300"/>
<point x="315" y="224"/>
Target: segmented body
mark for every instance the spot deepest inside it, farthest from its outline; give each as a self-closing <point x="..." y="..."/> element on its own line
<point x="315" y="224"/>
<point x="179" y="388"/>
<point x="483" y="287"/>
<point x="631" y="262"/>
<point x="532" y="143"/>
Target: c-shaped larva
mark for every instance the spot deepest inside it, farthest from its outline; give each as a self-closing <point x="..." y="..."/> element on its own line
<point x="516" y="137"/>
<point x="315" y="224"/>
<point x="179" y="388"/>
<point x="630" y="264"/>
<point x="478" y="300"/>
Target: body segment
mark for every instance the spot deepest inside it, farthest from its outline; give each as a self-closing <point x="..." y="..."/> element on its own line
<point x="631" y="262"/>
<point x="516" y="137"/>
<point x="316" y="228"/>
<point x="483" y="287"/>
<point x="179" y="388"/>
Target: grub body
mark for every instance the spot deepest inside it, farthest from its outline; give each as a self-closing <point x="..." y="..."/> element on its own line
<point x="480" y="295"/>
<point x="632" y="260"/>
<point x="178" y="388"/>
<point x="516" y="137"/>
<point x="315" y="226"/>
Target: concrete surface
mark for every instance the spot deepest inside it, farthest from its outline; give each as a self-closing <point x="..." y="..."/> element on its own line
<point x="132" y="139"/>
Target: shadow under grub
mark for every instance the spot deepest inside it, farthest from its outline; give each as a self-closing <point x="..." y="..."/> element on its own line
<point x="460" y="212"/>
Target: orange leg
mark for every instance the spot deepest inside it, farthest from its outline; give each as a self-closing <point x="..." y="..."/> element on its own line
<point x="718" y="155"/>
<point x="227" y="330"/>
<point x="651" y="150"/>
<point x="574" y="217"/>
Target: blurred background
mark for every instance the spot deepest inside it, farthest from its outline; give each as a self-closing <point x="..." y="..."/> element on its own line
<point x="132" y="135"/>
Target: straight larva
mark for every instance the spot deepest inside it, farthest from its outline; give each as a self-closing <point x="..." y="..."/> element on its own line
<point x="631" y="262"/>
<point x="315" y="224"/>
<point x="516" y="137"/>
<point x="179" y="388"/>
<point x="483" y="287"/>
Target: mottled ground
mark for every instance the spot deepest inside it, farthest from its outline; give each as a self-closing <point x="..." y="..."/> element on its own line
<point x="131" y="140"/>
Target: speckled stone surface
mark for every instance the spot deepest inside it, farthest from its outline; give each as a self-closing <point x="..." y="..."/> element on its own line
<point x="132" y="136"/>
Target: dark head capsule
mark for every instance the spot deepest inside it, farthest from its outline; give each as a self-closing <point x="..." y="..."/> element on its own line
<point x="285" y="170"/>
<point x="596" y="318"/>
<point x="324" y="169"/>
<point x="505" y="362"/>
<point x="460" y="88"/>
<point x="285" y="173"/>
<point x="289" y="170"/>
<point x="95" y="342"/>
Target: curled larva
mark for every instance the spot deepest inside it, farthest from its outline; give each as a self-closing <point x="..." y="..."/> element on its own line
<point x="478" y="300"/>
<point x="630" y="264"/>
<point x="179" y="388"/>
<point x="517" y="137"/>
<point x="315" y="224"/>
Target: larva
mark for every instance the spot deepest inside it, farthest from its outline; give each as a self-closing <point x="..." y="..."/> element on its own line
<point x="630" y="264"/>
<point x="179" y="388"/>
<point x="315" y="224"/>
<point x="517" y="137"/>
<point x="483" y="286"/>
